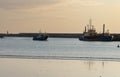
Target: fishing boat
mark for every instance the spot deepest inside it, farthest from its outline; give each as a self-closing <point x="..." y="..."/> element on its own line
<point x="1" y="36"/>
<point x="40" y="37"/>
<point x="90" y="34"/>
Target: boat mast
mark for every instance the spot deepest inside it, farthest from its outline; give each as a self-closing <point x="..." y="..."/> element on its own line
<point x="103" y="29"/>
<point x="85" y="29"/>
<point x="90" y="23"/>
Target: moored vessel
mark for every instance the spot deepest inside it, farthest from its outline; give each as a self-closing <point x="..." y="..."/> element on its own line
<point x="90" y="34"/>
<point x="40" y="37"/>
<point x="1" y="36"/>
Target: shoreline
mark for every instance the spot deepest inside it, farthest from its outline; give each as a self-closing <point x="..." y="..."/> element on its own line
<point x="56" y="35"/>
<point x="64" y="35"/>
<point x="60" y="58"/>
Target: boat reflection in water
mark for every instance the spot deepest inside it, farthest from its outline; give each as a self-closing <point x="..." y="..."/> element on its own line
<point x="90" y="34"/>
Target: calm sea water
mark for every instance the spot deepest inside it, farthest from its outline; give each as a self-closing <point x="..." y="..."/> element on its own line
<point x="70" y="48"/>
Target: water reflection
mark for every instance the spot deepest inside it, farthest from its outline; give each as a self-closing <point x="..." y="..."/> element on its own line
<point x="102" y="68"/>
<point x="98" y="67"/>
<point x="58" y="68"/>
<point x="92" y="64"/>
<point x="103" y="64"/>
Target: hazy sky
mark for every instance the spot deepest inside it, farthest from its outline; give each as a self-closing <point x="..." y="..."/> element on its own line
<point x="66" y="16"/>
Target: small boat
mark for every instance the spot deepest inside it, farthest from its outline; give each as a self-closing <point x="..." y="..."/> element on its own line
<point x="1" y="36"/>
<point x="40" y="37"/>
<point x="118" y="46"/>
<point x="90" y="34"/>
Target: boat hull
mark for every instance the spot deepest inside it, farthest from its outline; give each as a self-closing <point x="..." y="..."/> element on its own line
<point x="43" y="38"/>
<point x="1" y="36"/>
<point x="96" y="38"/>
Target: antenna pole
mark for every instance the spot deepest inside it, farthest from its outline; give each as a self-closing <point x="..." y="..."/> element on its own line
<point x="90" y="23"/>
<point x="103" y="29"/>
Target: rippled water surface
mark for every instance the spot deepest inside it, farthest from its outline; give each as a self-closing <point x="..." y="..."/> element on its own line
<point x="58" y="48"/>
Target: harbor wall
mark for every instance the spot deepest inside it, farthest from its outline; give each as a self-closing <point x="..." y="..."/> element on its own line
<point x="56" y="35"/>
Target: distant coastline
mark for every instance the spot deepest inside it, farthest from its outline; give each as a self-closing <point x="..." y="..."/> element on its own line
<point x="55" y="35"/>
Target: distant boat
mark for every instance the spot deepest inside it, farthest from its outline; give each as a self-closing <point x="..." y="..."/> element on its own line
<point x="1" y="36"/>
<point x="90" y="34"/>
<point x="118" y="46"/>
<point x="40" y="37"/>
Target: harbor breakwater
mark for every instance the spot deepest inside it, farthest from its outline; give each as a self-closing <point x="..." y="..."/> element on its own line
<point x="55" y="35"/>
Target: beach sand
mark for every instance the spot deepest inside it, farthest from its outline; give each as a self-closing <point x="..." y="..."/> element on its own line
<point x="11" y="67"/>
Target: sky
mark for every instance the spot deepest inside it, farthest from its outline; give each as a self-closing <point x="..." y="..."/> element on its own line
<point x="58" y="16"/>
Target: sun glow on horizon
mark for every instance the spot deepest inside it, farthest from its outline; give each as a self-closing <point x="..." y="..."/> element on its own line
<point x="59" y="16"/>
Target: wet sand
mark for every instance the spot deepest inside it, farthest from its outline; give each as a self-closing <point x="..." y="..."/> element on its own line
<point x="11" y="67"/>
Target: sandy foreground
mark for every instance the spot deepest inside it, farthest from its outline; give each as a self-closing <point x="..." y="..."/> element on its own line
<point x="11" y="67"/>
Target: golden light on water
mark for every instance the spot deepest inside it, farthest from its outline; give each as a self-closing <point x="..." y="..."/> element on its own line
<point x="58" y="68"/>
